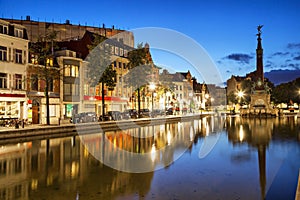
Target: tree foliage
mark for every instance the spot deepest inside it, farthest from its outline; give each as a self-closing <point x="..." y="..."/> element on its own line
<point x="287" y="92"/>
<point x="99" y="66"/>
<point x="140" y="70"/>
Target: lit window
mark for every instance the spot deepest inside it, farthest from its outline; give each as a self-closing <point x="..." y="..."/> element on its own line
<point x="34" y="59"/>
<point x="50" y="62"/>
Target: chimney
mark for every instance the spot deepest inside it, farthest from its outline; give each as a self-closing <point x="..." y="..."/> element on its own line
<point x="67" y="21"/>
<point x="28" y="18"/>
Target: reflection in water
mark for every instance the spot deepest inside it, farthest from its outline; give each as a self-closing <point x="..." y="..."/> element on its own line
<point x="64" y="168"/>
<point x="142" y="149"/>
<point x="258" y="133"/>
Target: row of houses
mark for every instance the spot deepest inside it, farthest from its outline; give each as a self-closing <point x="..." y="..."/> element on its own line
<point x="22" y="90"/>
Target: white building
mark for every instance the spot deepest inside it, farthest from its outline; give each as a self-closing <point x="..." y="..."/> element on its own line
<point x="13" y="62"/>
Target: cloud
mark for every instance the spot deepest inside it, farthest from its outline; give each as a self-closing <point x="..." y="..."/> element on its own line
<point x="242" y="58"/>
<point x="280" y="53"/>
<point x="297" y="58"/>
<point x="293" y="45"/>
<point x="294" y="66"/>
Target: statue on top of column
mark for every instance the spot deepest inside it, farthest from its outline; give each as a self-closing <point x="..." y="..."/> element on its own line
<point x="259" y="30"/>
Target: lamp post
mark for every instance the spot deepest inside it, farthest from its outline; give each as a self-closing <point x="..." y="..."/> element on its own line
<point x="152" y="88"/>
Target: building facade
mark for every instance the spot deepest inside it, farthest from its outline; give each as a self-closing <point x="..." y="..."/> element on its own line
<point x="13" y="63"/>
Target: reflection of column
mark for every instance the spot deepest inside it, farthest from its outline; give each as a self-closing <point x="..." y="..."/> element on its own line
<point x="262" y="169"/>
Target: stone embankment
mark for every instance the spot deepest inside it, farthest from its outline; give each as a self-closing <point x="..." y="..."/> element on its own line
<point x="43" y="131"/>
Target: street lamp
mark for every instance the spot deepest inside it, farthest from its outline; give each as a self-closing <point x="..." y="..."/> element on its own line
<point x="240" y="94"/>
<point x="152" y="88"/>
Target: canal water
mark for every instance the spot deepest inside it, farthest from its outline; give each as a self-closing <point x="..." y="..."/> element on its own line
<point x="211" y="158"/>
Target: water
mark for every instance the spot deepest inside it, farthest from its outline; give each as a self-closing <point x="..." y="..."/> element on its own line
<point x="212" y="158"/>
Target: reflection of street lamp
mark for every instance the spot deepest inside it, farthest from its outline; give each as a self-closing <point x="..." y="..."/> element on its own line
<point x="152" y="88"/>
<point x="206" y="96"/>
<point x="168" y="94"/>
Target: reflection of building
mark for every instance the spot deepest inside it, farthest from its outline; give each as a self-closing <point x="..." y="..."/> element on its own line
<point x="257" y="133"/>
<point x="14" y="171"/>
<point x="13" y="63"/>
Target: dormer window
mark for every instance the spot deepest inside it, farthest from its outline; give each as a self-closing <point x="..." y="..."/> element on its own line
<point x="18" y="32"/>
<point x="3" y="29"/>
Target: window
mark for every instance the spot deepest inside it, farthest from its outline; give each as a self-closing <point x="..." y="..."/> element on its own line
<point x="120" y="65"/>
<point x="18" y="56"/>
<point x="121" y="52"/>
<point x="34" y="59"/>
<point x="125" y="53"/>
<point x="74" y="71"/>
<point x="115" y="64"/>
<point x="3" y="53"/>
<point x="117" y="51"/>
<point x="71" y="70"/>
<point x="19" y="33"/>
<point x="3" y="29"/>
<point x="124" y="65"/>
<point x="3" y="80"/>
<point x="71" y="89"/>
<point x="67" y="70"/>
<point x="18" y="81"/>
<point x="75" y="89"/>
<point x="85" y="89"/>
<point x="34" y="82"/>
<point x="67" y="89"/>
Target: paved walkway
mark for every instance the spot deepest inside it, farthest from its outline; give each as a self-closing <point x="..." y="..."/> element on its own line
<point x="28" y="126"/>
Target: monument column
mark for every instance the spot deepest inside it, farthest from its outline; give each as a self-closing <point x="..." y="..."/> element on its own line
<point x="259" y="56"/>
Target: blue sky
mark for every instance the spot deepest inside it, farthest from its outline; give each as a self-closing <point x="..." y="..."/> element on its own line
<point x="226" y="29"/>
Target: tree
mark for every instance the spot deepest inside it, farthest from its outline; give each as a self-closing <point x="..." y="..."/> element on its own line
<point x="287" y="92"/>
<point x="99" y="66"/>
<point x="140" y="70"/>
<point x="42" y="53"/>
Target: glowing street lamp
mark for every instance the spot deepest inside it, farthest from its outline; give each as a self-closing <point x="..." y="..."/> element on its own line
<point x="240" y="94"/>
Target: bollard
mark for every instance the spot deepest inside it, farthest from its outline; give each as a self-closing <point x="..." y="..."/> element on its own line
<point x="23" y="123"/>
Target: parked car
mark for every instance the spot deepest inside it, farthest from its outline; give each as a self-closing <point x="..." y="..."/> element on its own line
<point x="145" y="112"/>
<point x="84" y="117"/>
<point x="169" y="111"/>
<point x="130" y="114"/>
<point x="157" y="112"/>
<point x="111" y="115"/>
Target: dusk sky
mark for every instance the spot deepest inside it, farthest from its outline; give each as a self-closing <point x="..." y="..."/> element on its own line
<point x="225" y="29"/>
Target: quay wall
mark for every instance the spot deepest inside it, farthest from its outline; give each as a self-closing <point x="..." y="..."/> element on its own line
<point x="42" y="131"/>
